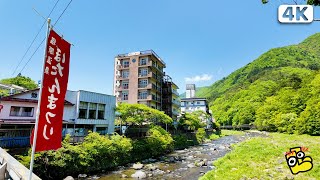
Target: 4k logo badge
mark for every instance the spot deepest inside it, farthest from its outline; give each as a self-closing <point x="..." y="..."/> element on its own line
<point x="295" y="14"/>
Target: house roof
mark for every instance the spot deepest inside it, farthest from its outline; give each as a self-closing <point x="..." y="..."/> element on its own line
<point x="193" y="99"/>
<point x="10" y="98"/>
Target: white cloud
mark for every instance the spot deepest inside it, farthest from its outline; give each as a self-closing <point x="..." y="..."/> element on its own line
<point x="198" y="78"/>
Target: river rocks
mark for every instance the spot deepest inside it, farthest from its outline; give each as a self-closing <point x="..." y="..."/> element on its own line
<point x="69" y="178"/>
<point x="151" y="167"/>
<point x="82" y="176"/>
<point x="200" y="163"/>
<point x="191" y="165"/>
<point x="139" y="174"/>
<point x="158" y="172"/>
<point x="150" y="175"/>
<point x="137" y="166"/>
<point x="124" y="176"/>
<point x="189" y="157"/>
<point x="213" y="149"/>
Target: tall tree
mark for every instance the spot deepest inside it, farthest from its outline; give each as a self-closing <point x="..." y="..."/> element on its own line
<point x="22" y="81"/>
<point x="138" y="114"/>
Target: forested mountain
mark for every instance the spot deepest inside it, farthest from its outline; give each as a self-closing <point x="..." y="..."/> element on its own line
<point x="279" y="91"/>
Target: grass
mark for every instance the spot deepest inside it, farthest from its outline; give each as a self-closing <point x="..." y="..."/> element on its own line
<point x="263" y="158"/>
<point x="225" y="133"/>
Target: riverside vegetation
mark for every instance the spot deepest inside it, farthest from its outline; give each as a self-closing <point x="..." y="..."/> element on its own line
<point x="264" y="158"/>
<point x="99" y="153"/>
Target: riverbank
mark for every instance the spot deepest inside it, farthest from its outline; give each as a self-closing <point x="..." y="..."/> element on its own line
<point x="190" y="163"/>
<point x="263" y="158"/>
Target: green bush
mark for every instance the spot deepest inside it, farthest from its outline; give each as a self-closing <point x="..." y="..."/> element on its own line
<point x="214" y="137"/>
<point x="201" y="135"/>
<point x="159" y="141"/>
<point x="182" y="141"/>
<point x="94" y="154"/>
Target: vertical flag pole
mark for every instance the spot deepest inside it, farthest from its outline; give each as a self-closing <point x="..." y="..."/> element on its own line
<point x="35" y="133"/>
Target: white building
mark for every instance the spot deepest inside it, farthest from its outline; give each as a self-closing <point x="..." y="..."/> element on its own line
<point x="83" y="111"/>
<point x="189" y="105"/>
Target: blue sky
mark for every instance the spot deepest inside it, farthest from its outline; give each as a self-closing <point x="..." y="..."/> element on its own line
<point x="200" y="41"/>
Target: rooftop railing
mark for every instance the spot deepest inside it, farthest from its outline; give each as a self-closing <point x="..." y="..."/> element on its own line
<point x="143" y="53"/>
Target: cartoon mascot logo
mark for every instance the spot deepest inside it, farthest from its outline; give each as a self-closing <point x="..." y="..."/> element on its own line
<point x="298" y="161"/>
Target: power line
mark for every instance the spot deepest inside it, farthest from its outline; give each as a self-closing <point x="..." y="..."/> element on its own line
<point x="34" y="38"/>
<point x="45" y="38"/>
<point x="62" y="13"/>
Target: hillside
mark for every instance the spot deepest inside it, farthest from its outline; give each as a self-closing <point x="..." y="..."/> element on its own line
<point x="279" y="91"/>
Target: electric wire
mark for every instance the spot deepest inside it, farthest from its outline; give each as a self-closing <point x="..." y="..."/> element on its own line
<point x="24" y="55"/>
<point x="45" y="38"/>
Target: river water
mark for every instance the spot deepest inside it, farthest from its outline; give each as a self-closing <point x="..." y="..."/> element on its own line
<point x="186" y="164"/>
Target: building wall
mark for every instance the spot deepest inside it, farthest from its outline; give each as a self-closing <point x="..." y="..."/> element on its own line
<point x="5" y="112"/>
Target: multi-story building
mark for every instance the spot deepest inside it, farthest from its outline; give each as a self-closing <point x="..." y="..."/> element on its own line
<point x="170" y="98"/>
<point x="83" y="111"/>
<point x="139" y="78"/>
<point x="192" y="103"/>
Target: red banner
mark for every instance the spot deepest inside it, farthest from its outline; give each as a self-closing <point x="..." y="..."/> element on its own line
<point x="54" y="87"/>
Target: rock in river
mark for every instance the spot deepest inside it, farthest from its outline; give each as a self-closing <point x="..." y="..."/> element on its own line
<point x="137" y="166"/>
<point x="139" y="175"/>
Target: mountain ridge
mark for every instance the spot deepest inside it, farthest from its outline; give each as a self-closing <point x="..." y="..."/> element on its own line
<point x="245" y="96"/>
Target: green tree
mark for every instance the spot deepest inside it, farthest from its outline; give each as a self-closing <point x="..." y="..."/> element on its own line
<point x="192" y="121"/>
<point x="137" y="114"/>
<point x="22" y="81"/>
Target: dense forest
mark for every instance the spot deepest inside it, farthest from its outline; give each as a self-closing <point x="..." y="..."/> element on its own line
<point x="279" y="91"/>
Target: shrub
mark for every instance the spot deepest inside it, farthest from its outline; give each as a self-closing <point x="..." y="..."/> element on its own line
<point x="159" y="141"/>
<point x="201" y="135"/>
<point x="182" y="141"/>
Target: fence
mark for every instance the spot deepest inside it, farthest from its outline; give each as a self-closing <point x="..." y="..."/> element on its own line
<point x="14" y="142"/>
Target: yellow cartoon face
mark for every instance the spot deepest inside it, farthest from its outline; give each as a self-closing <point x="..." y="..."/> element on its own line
<point x="298" y="161"/>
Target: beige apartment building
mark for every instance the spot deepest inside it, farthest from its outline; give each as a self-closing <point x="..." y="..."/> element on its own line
<point x="139" y="78"/>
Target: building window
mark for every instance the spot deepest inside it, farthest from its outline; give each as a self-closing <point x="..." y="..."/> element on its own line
<point x="143" y="83"/>
<point x="125" y="64"/>
<point x="27" y="112"/>
<point x="21" y="111"/>
<point x="14" y="111"/>
<point x="125" y="74"/>
<point x="143" y="95"/>
<point x="101" y="108"/>
<point x="143" y="61"/>
<point x="198" y="102"/>
<point x="124" y="96"/>
<point x="143" y="72"/>
<point x="83" y="110"/>
<point x="125" y="84"/>
<point x="92" y="110"/>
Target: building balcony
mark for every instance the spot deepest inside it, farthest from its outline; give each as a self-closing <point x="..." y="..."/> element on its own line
<point x="145" y="98"/>
<point x="120" y="67"/>
<point x="121" y="88"/>
<point x="176" y="103"/>
<point x="118" y="77"/>
<point x="175" y="92"/>
<point x="143" y="86"/>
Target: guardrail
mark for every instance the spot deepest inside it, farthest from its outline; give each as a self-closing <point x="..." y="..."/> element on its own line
<point x="10" y="168"/>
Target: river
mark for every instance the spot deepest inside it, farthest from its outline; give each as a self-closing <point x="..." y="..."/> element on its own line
<point x="186" y="164"/>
